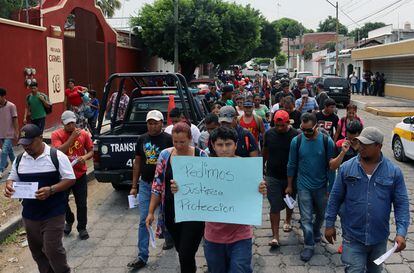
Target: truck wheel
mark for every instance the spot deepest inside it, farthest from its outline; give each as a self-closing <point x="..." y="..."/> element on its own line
<point x="398" y="149"/>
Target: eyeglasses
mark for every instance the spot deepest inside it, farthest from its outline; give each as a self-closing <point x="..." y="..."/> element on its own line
<point x="308" y="130"/>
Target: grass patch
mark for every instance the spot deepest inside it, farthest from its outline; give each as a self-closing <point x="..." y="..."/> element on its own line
<point x="13" y="238"/>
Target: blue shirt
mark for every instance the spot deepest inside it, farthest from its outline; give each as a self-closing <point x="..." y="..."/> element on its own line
<point x="310" y="105"/>
<point x="311" y="166"/>
<point x="95" y="102"/>
<point x="367" y="202"/>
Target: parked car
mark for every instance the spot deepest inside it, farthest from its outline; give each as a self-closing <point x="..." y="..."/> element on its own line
<point x="201" y="86"/>
<point x="264" y="66"/>
<point x="281" y="73"/>
<point x="337" y="88"/>
<point x="403" y="139"/>
<point x="302" y="74"/>
<point x="114" y="148"/>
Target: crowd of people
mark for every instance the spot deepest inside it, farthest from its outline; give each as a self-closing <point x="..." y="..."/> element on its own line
<point x="372" y="84"/>
<point x="332" y="166"/>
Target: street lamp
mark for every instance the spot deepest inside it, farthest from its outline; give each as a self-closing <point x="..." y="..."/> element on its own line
<point x="337" y="35"/>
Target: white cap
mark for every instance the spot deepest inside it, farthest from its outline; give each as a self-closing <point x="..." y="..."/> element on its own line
<point x="68" y="117"/>
<point x="155" y="115"/>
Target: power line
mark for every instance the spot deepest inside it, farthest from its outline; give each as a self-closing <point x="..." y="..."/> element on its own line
<point x="356" y="7"/>
<point x="391" y="11"/>
<point x="376" y="13"/>
<point x="348" y="4"/>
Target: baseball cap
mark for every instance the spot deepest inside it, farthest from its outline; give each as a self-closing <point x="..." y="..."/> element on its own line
<point x="28" y="133"/>
<point x="277" y="81"/>
<point x="155" y="115"/>
<point x="248" y="103"/>
<point x="68" y="117"/>
<point x="282" y="115"/>
<point x="304" y="93"/>
<point x="227" y="113"/>
<point x="371" y="135"/>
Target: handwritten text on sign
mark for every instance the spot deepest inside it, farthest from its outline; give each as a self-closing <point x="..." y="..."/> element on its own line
<point x="214" y="189"/>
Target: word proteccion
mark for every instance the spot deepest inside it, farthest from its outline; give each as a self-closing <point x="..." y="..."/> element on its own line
<point x="203" y="171"/>
<point x="187" y="204"/>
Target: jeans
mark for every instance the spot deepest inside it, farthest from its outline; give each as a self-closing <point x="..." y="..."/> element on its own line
<point x="7" y="151"/>
<point x="40" y="122"/>
<point x="358" y="257"/>
<point x="310" y="202"/>
<point x="354" y="88"/>
<point x="80" y="192"/>
<point x="45" y="243"/>
<point x="229" y="258"/>
<point x="144" y="198"/>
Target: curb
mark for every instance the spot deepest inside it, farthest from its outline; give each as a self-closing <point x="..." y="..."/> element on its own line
<point x="16" y="222"/>
<point x="386" y="113"/>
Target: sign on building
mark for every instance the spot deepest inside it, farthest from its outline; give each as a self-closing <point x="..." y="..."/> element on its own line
<point x="55" y="70"/>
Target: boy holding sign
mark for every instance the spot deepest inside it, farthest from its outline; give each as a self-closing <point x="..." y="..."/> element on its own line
<point x="227" y="247"/>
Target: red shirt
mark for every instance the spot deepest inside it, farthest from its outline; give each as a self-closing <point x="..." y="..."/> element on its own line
<point x="80" y="147"/>
<point x="74" y="98"/>
<point x="227" y="233"/>
<point x="252" y="126"/>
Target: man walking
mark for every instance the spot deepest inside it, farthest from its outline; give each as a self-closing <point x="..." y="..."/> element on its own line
<point x="77" y="145"/>
<point x="367" y="186"/>
<point x="246" y="143"/>
<point x="276" y="154"/>
<point x="251" y="121"/>
<point x="9" y="130"/>
<point x="148" y="148"/>
<point x="44" y="216"/>
<point x="327" y="119"/>
<point x="354" y="81"/>
<point x="36" y="104"/>
<point x="306" y="104"/>
<point x="309" y="157"/>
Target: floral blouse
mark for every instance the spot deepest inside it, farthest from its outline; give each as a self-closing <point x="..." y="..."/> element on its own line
<point x="158" y="185"/>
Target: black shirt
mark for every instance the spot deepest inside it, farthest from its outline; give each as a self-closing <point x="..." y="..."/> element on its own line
<point x="148" y="148"/>
<point x="327" y="122"/>
<point x="295" y="116"/>
<point x="246" y="143"/>
<point x="278" y="145"/>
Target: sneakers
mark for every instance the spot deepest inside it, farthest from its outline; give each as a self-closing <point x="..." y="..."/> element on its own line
<point x="68" y="228"/>
<point x="306" y="254"/>
<point x="137" y="264"/>
<point x="83" y="234"/>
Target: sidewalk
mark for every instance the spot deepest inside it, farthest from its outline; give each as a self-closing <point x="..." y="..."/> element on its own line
<point x="384" y="106"/>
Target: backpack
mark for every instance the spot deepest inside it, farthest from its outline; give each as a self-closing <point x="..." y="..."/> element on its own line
<point x="330" y="174"/>
<point x="47" y="110"/>
<point x="53" y="156"/>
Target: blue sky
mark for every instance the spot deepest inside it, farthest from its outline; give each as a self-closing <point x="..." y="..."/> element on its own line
<point x="309" y="12"/>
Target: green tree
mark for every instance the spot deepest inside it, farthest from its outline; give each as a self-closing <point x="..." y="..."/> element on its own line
<point x="209" y="31"/>
<point x="108" y="7"/>
<point x="290" y="28"/>
<point x="362" y="32"/>
<point x="329" y="25"/>
<point x="7" y="7"/>
<point x="330" y="46"/>
<point x="269" y="40"/>
<point x="281" y="59"/>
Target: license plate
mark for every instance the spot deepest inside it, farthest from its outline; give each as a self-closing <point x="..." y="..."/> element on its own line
<point x="336" y="91"/>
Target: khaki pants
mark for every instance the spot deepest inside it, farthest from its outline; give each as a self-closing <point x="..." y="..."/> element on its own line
<point x="45" y="243"/>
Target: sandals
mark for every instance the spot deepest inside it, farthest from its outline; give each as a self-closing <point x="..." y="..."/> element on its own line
<point x="287" y="228"/>
<point x="274" y="243"/>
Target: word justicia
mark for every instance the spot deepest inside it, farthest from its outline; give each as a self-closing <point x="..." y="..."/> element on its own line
<point x="203" y="171"/>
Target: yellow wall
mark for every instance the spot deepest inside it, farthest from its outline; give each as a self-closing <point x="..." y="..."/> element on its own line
<point x="384" y="51"/>
<point x="400" y="91"/>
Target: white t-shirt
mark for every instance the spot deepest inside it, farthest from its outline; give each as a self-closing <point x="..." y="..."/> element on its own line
<point x="195" y="132"/>
<point x="274" y="108"/>
<point x="43" y="164"/>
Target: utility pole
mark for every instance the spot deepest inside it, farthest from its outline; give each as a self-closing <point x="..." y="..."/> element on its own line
<point x="337" y="40"/>
<point x="337" y="35"/>
<point x="176" y="61"/>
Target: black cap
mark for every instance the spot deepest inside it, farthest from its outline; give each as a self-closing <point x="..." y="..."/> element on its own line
<point x="28" y="133"/>
<point x="227" y="88"/>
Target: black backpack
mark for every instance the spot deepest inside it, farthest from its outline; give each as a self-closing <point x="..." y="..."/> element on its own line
<point x="53" y="156"/>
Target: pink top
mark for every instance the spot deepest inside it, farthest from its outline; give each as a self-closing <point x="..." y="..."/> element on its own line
<point x="227" y="233"/>
<point x="7" y="113"/>
<point x="343" y="126"/>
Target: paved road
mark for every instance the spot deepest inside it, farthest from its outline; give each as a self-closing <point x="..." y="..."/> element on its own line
<point x="113" y="230"/>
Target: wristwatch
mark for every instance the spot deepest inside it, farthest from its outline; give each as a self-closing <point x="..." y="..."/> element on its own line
<point x="52" y="190"/>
